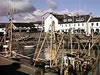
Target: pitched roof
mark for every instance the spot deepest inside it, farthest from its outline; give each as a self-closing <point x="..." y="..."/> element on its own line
<point x="96" y="19"/>
<point x="24" y="24"/>
<point x="60" y="17"/>
<point x="71" y="19"/>
<point x="4" y="25"/>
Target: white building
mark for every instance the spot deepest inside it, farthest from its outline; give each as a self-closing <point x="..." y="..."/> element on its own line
<point x="48" y="21"/>
<point x="77" y="24"/>
<point x="3" y="27"/>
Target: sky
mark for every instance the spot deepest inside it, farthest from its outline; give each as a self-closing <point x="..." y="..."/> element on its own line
<point x="88" y="6"/>
<point x="31" y="10"/>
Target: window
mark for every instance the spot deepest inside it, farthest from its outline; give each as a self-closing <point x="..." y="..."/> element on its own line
<point x="82" y="30"/>
<point x="66" y="30"/>
<point x="65" y="20"/>
<point x="92" y="30"/>
<point x="96" y="24"/>
<point x="69" y="24"/>
<point x="74" y="25"/>
<point x="82" y="24"/>
<point x="78" y="24"/>
<point x="20" y="27"/>
<point x="92" y="24"/>
<point x="62" y="30"/>
<point x="50" y="17"/>
<point x="97" y="30"/>
<point x="66" y="25"/>
<point x="28" y="27"/>
<point x="80" y="19"/>
<point x="69" y="20"/>
<point x="53" y="22"/>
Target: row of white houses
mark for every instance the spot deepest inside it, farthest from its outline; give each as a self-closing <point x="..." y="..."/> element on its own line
<point x="79" y="23"/>
<point x="62" y="23"/>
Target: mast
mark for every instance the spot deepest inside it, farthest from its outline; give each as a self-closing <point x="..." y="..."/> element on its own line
<point x="52" y="44"/>
<point x="87" y="25"/>
<point x="10" y="31"/>
<point x="10" y="11"/>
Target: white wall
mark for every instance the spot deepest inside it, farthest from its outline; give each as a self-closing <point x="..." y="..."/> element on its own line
<point x="94" y="26"/>
<point x="74" y="26"/>
<point x="83" y="25"/>
<point x="2" y="29"/>
<point x="48" y="22"/>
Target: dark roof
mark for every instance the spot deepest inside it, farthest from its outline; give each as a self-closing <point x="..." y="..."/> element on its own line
<point x="81" y="18"/>
<point x="24" y="24"/>
<point x="4" y="25"/>
<point x="37" y="22"/>
<point x="60" y="17"/>
<point x="71" y="19"/>
<point x="96" y="19"/>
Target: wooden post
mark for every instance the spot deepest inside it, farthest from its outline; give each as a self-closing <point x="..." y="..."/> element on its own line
<point x="10" y="41"/>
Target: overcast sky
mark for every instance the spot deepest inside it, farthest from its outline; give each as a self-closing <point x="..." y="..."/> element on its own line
<point x="29" y="10"/>
<point x="88" y="6"/>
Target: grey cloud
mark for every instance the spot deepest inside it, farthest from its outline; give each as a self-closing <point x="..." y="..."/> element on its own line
<point x="19" y="6"/>
<point x="51" y="4"/>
